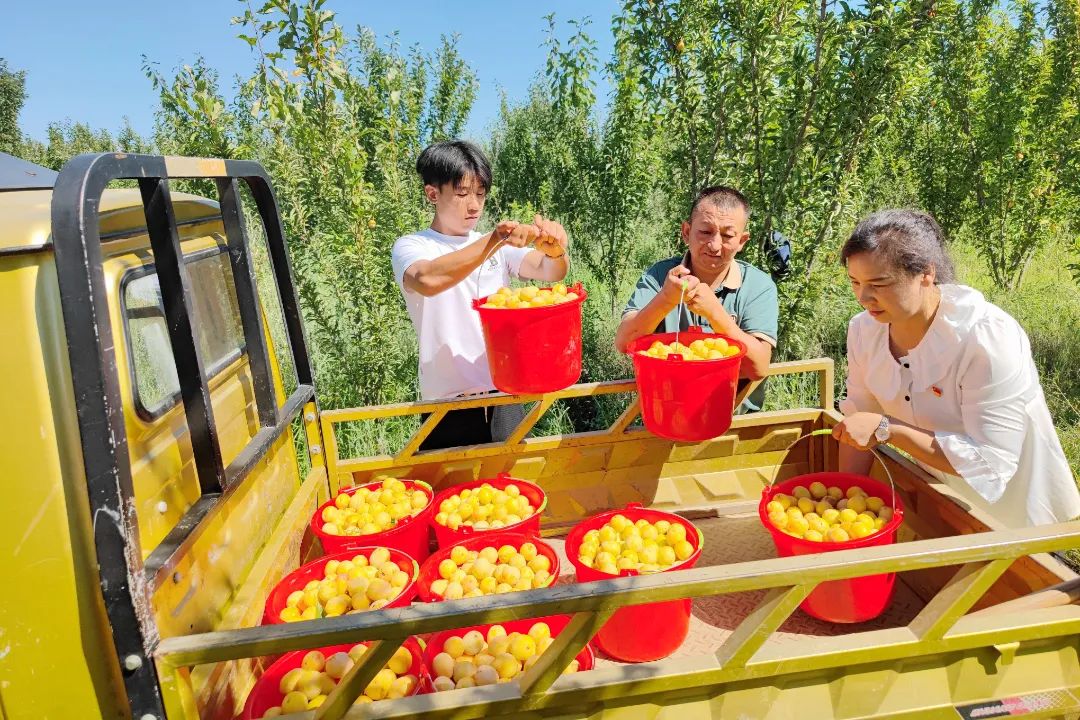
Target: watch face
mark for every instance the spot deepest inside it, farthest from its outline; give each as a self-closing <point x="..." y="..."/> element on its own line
<point x="882" y="432"/>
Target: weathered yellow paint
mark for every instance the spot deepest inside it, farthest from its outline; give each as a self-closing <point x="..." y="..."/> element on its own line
<point x="616" y="468"/>
<point x="180" y="167"/>
<point x="52" y="623"/>
<point x="192" y="594"/>
<point x="162" y="466"/>
<point x="27" y="220"/>
<point x="52" y="618"/>
<point x="313" y="434"/>
<point x="222" y="688"/>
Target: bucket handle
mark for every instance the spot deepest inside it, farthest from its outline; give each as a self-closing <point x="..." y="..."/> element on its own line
<point x="498" y="246"/>
<point x="828" y="431"/>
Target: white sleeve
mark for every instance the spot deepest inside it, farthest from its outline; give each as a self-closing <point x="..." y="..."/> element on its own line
<point x="407" y="250"/>
<point x="994" y="389"/>
<point x="859" y="398"/>
<point x="513" y="257"/>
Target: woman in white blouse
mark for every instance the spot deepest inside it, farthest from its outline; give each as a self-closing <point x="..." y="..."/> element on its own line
<point x="940" y="373"/>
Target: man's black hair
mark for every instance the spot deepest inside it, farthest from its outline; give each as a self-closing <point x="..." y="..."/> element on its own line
<point x="450" y="161"/>
<point x="721" y="196"/>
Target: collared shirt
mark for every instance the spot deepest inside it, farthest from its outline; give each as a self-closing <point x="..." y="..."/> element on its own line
<point x="453" y="357"/>
<point x="972" y="382"/>
<point x="747" y="294"/>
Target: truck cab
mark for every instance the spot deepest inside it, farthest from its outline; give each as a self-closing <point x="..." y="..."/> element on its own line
<point x="165" y="451"/>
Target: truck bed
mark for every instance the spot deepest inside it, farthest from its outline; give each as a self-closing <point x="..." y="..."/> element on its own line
<point x="733" y="670"/>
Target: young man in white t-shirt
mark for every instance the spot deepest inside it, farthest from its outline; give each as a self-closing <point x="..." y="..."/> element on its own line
<point x="442" y="269"/>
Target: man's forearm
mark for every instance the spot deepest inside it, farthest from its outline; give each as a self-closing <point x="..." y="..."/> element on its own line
<point x="431" y="277"/>
<point x="758" y="352"/>
<point x="639" y="323"/>
<point x="547" y="269"/>
<point x="555" y="269"/>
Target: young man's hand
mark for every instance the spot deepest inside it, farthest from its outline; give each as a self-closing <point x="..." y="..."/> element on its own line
<point x="552" y="240"/>
<point x="516" y="234"/>
<point x="672" y="290"/>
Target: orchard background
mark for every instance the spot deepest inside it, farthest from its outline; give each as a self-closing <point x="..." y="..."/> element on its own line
<point x="819" y="111"/>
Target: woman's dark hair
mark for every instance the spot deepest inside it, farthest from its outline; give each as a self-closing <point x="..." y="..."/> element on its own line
<point x="449" y="161"/>
<point x="910" y="241"/>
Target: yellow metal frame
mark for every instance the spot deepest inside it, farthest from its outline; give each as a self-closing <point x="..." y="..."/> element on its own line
<point x="747" y="656"/>
<point x="518" y="440"/>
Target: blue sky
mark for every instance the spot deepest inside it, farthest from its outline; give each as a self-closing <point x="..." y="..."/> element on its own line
<point x="84" y="59"/>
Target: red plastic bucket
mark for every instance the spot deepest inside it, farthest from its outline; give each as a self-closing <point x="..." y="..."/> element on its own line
<point x="686" y="400"/>
<point x="316" y="570"/>
<point x="529" y="526"/>
<point x="267" y="694"/>
<point x="533" y="350"/>
<point x="557" y="623"/>
<point x="429" y="571"/>
<point x="640" y="633"/>
<point x="840" y="601"/>
<point x="410" y="535"/>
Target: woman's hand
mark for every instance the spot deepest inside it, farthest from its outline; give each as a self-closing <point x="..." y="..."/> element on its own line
<point x="858" y="430"/>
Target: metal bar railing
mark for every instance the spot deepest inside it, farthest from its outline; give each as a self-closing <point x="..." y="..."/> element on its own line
<point x="599" y="598"/>
<point x="84" y="301"/>
<point x="983" y="558"/>
<point x="957" y="597"/>
<point x="179" y="301"/>
<point x="760" y="624"/>
<point x="824" y="368"/>
<point x="573" y="638"/>
<point x="357" y="678"/>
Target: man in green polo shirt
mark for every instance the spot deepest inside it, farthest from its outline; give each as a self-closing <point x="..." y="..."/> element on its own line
<point x="723" y="295"/>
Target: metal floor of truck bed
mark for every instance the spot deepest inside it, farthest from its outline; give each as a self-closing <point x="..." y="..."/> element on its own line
<point x="741" y="538"/>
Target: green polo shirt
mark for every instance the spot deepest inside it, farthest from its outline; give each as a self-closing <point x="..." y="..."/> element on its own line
<point x="748" y="295"/>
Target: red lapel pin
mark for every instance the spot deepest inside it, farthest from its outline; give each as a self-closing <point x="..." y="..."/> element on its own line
<point x="936" y="390"/>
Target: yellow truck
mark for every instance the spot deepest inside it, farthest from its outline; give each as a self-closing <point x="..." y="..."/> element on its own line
<point x="163" y="451"/>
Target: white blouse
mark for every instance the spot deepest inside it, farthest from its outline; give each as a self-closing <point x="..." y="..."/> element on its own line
<point x="973" y="383"/>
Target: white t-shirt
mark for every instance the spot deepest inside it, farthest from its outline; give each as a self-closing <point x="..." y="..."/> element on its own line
<point x="972" y="382"/>
<point x="453" y="358"/>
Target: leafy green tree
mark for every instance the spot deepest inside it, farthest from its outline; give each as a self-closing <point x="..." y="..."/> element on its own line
<point x="780" y="98"/>
<point x="65" y="140"/>
<point x="338" y="121"/>
<point x="997" y="141"/>
<point x="12" y="97"/>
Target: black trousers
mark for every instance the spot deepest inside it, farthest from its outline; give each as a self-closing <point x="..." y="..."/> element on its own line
<point x="474" y="426"/>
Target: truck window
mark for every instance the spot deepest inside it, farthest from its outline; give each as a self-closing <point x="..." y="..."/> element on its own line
<point x="217" y="326"/>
